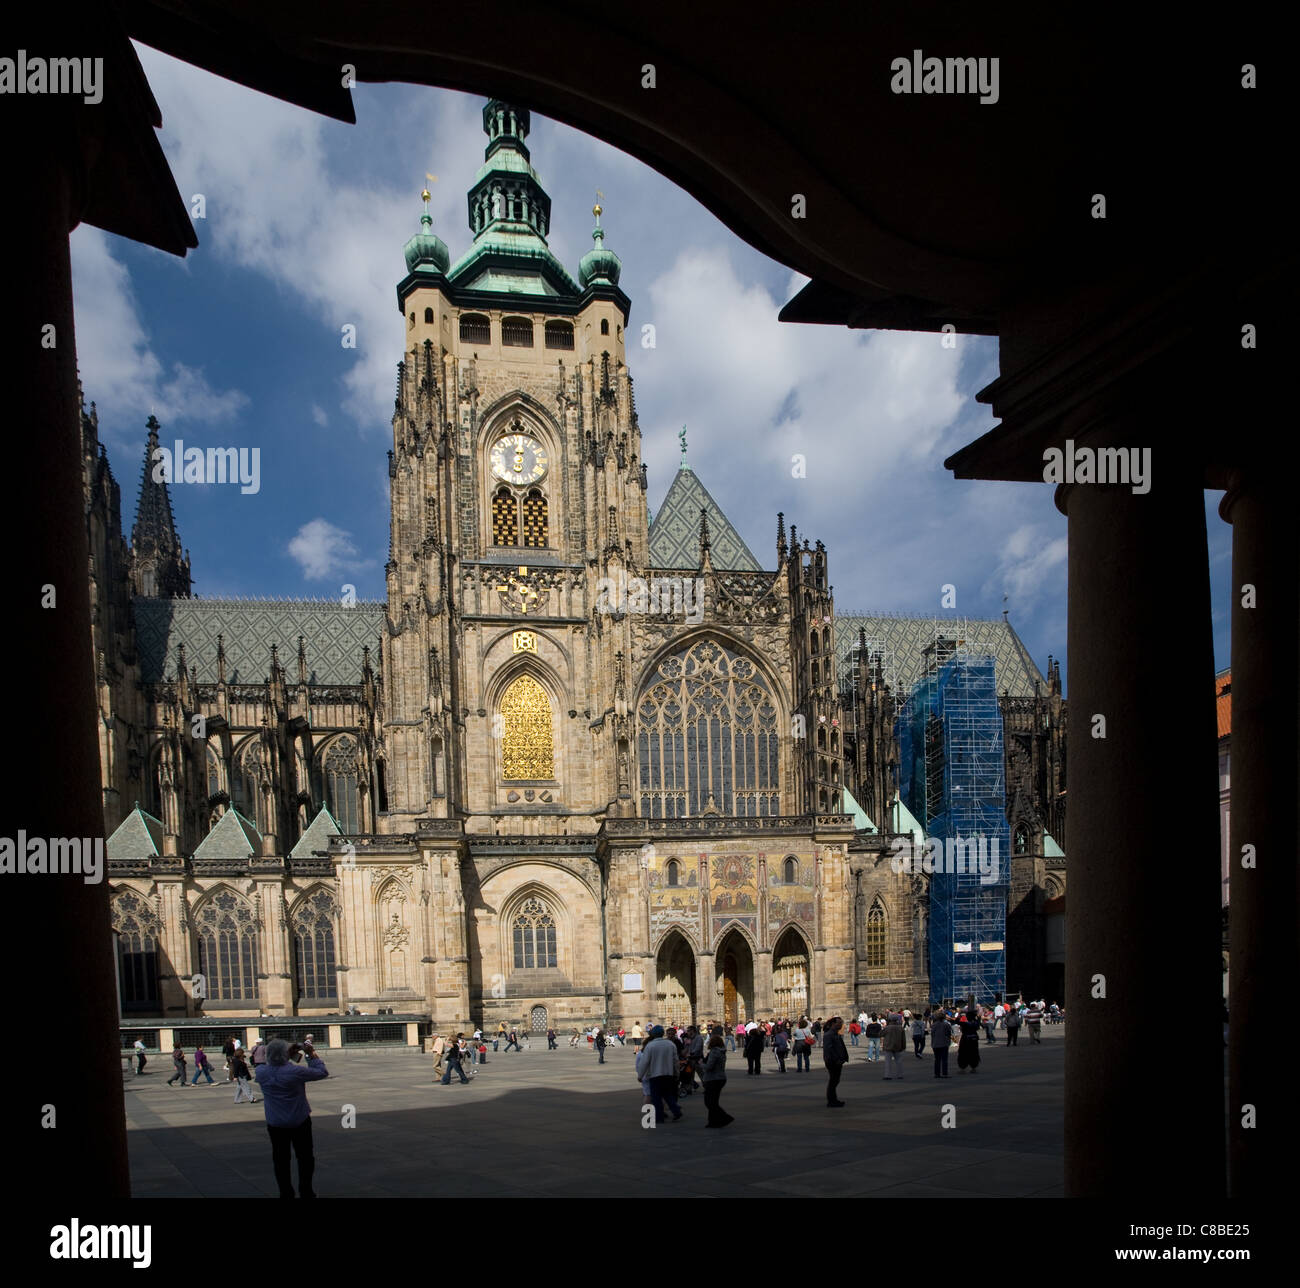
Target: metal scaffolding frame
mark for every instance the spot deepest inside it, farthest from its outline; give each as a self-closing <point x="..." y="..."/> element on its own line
<point x="952" y="776"/>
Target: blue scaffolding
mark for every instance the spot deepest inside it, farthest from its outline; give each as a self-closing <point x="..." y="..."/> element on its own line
<point x="952" y="776"/>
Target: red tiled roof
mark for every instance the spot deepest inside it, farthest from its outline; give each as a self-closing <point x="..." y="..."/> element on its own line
<point x="1223" y="701"/>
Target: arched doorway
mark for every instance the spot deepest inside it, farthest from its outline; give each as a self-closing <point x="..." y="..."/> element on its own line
<point x="735" y="965"/>
<point x="791" y="976"/>
<point x="675" y="973"/>
<point x="537" y="1019"/>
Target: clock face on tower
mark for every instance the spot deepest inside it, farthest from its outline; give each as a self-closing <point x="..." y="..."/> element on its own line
<point x="518" y="459"/>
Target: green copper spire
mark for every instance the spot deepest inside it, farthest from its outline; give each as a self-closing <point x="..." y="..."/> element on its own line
<point x="425" y="251"/>
<point x="599" y="265"/>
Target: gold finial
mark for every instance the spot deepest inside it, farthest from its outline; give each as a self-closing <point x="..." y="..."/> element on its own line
<point x="426" y="195"/>
<point x="596" y="210"/>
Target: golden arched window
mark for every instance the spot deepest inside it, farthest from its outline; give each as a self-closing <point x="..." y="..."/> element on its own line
<point x="534" y="519"/>
<point x="527" y="733"/>
<point x="505" y="519"/>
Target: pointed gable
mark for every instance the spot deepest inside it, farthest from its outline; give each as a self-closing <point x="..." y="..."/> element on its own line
<point x="234" y="837"/>
<point x="316" y="837"/>
<point x="675" y="532"/>
<point x="138" y="836"/>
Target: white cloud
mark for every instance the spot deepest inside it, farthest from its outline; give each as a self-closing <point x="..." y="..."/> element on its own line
<point x="318" y="415"/>
<point x="119" y="369"/>
<point x="322" y="550"/>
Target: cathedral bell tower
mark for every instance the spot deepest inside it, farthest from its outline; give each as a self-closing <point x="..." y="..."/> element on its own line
<point x="516" y="487"/>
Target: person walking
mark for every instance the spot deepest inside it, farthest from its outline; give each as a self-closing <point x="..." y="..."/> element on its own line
<point x="754" y="1051"/>
<point x="243" y="1077"/>
<point x="178" y="1067"/>
<point x="1011" y="1022"/>
<point x="918" y="1036"/>
<point x="140" y="1060"/>
<point x="816" y="1031"/>
<point x="940" y="1041"/>
<point x="781" y="1046"/>
<point x="658" y="1062"/>
<point x="731" y="1039"/>
<point x="499" y="1037"/>
<point x="257" y="1055"/>
<point x="986" y="1019"/>
<point x="968" y="1048"/>
<point x="288" y="1115"/>
<point x="714" y="1077"/>
<point x="451" y="1056"/>
<point x="873" y="1031"/>
<point x="202" y="1065"/>
<point x="855" y="1031"/>
<point x="637" y="1038"/>
<point x="513" y="1041"/>
<point x="551" y="1041"/>
<point x="439" y="1046"/>
<point x="600" y="1044"/>
<point x="1034" y="1023"/>
<point x="802" y="1038"/>
<point x="892" y="1042"/>
<point x="227" y="1051"/>
<point x="740" y="1036"/>
<point x="836" y="1057"/>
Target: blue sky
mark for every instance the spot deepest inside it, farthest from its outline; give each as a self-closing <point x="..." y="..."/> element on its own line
<point x="239" y="345"/>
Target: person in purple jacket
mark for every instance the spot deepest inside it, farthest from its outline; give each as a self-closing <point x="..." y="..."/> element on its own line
<point x="288" y="1115"/>
<point x="201" y="1066"/>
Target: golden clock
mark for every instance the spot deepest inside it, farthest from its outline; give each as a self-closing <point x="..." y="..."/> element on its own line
<point x="518" y="459"/>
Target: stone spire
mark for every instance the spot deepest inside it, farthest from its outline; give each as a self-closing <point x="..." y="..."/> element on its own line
<point x="159" y="567"/>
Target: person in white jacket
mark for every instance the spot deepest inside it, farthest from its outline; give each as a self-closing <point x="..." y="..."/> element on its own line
<point x="659" y="1063"/>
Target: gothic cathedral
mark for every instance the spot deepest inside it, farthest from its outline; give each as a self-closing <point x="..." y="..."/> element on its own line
<point x="579" y="766"/>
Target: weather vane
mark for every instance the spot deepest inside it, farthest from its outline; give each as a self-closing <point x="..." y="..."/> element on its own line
<point x="426" y="196"/>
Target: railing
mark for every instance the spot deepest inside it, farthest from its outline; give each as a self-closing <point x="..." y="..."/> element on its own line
<point x="128" y="1038"/>
<point x="298" y="1033"/>
<point x="374" y="1035"/>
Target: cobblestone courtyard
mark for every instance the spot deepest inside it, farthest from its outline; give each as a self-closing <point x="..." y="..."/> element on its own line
<point x="557" y="1123"/>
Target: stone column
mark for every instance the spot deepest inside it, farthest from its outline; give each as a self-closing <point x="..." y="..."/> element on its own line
<point x="707" y="1005"/>
<point x="1262" y="879"/>
<point x="1143" y="902"/>
<point x="54" y="701"/>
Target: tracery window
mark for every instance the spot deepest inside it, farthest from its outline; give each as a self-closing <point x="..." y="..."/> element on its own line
<point x="707" y="737"/>
<point x="505" y="518"/>
<point x="314" y="969"/>
<point x="876" y="942"/>
<point x="534" y="936"/>
<point x="341" y="783"/>
<point x="674" y="873"/>
<point x="138" y="931"/>
<point x="245" y="786"/>
<point x="528" y="735"/>
<point x="1022" y="839"/>
<point x="227" y="939"/>
<point x="214" y="771"/>
<point x="792" y="871"/>
<point x="534" y="508"/>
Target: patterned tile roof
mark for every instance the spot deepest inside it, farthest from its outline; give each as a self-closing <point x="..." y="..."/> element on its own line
<point x="234" y="837"/>
<point x="334" y="635"/>
<point x="138" y="836"/>
<point x="675" y="531"/>
<point x="904" y="638"/>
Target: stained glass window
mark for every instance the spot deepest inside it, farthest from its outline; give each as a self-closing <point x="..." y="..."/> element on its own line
<point x="315" y="971"/>
<point x="227" y="939"/>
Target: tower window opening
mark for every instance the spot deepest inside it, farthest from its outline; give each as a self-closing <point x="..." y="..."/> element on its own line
<point x="604" y="326"/>
<point x="534" y="519"/>
<point x="505" y="518"/>
<point x="428" y="315"/>
<point x="559" y="335"/>
<point x="517" y="333"/>
<point x="475" y="329"/>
